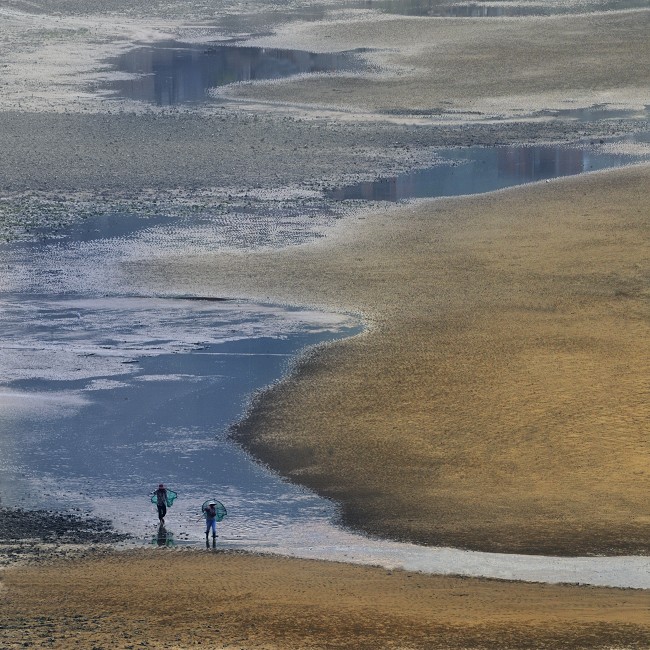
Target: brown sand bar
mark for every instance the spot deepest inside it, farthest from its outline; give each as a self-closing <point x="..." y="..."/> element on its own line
<point x="499" y="399"/>
<point x="169" y="599"/>
<point x="490" y="66"/>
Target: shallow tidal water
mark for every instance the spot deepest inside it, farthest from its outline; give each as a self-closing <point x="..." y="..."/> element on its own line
<point x="172" y="73"/>
<point x="104" y="397"/>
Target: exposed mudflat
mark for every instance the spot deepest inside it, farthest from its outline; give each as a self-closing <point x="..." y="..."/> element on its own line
<point x="60" y="168"/>
<point x="509" y="334"/>
<point x="72" y="148"/>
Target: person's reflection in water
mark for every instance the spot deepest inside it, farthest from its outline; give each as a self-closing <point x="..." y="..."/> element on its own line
<point x="163" y="538"/>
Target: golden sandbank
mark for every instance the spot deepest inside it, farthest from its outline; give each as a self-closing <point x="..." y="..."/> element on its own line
<point x="469" y="66"/>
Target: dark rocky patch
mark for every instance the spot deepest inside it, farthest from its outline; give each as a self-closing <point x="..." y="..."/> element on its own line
<point x="33" y="535"/>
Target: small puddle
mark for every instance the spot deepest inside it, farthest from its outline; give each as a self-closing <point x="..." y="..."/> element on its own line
<point x="170" y="72"/>
<point x="597" y="112"/>
<point x="477" y="170"/>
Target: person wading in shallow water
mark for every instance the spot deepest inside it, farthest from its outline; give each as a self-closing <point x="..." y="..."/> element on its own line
<point x="211" y="523"/>
<point x="161" y="502"/>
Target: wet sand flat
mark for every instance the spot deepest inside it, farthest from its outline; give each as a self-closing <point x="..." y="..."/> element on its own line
<point x="497" y="401"/>
<point x="175" y="599"/>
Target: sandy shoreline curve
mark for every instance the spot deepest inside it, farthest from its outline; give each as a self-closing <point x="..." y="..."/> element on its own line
<point x="497" y="402"/>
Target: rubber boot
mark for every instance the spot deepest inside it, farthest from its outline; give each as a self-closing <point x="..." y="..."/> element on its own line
<point x="214" y="541"/>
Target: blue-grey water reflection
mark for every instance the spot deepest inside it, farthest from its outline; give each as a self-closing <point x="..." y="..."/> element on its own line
<point x="103" y="398"/>
<point x="597" y="112"/>
<point x="173" y="73"/>
<point x="476" y="170"/>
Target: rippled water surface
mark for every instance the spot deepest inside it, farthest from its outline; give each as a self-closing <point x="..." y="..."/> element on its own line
<point x="105" y="392"/>
<point x="104" y="397"/>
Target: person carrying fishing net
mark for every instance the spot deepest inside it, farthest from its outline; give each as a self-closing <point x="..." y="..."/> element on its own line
<point x="213" y="511"/>
<point x="163" y="498"/>
<point x="161" y="502"/>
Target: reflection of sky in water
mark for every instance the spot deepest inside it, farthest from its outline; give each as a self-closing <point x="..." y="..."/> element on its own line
<point x="172" y="73"/>
<point x="104" y="395"/>
<point x="108" y="397"/>
<point x="597" y="112"/>
<point x="475" y="170"/>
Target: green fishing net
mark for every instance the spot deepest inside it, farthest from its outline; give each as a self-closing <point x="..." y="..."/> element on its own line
<point x="219" y="507"/>
<point x="171" y="496"/>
